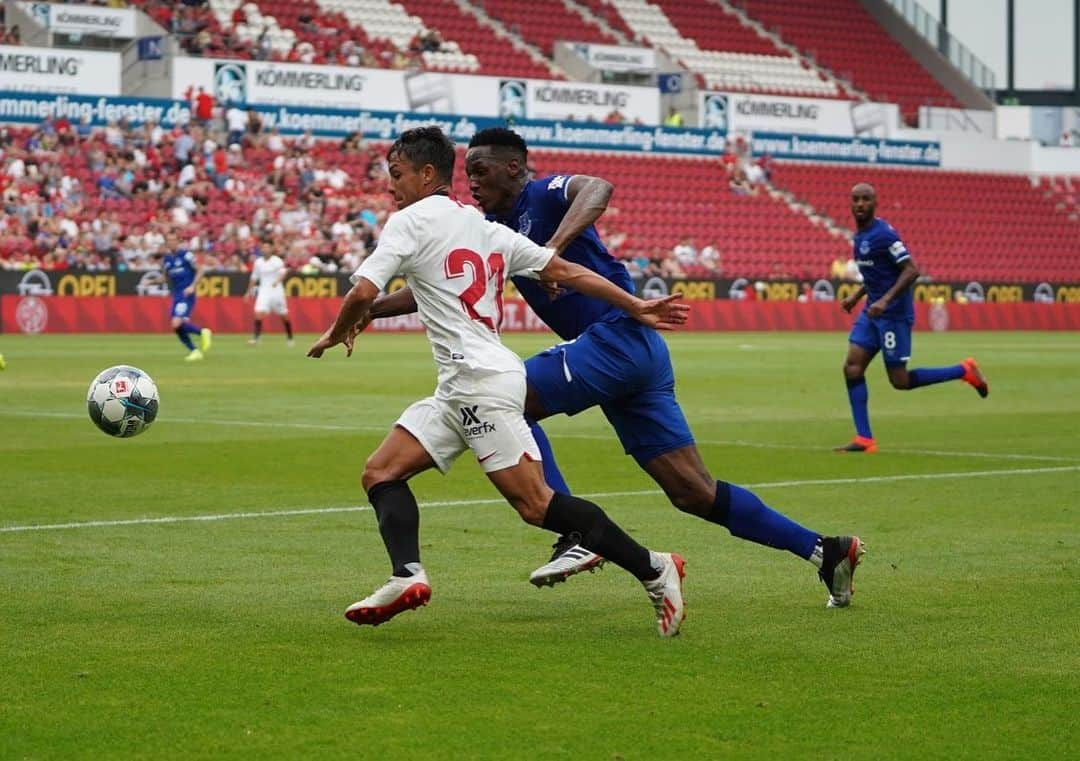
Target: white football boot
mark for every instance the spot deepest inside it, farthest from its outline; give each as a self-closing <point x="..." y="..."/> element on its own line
<point x="398" y="594"/>
<point x="564" y="563"/>
<point x="840" y="556"/>
<point x="665" y="592"/>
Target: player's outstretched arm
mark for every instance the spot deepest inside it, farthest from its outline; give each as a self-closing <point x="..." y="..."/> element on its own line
<point x="354" y="309"/>
<point x="588" y="198"/>
<point x="393" y="304"/>
<point x="662" y="314"/>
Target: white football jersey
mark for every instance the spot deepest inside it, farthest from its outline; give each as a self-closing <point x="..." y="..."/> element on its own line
<point x="267" y="272"/>
<point x="456" y="263"/>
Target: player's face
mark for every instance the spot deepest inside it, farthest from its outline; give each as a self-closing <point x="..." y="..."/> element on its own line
<point x="863" y="203"/>
<point x="406" y="182"/>
<point x="490" y="180"/>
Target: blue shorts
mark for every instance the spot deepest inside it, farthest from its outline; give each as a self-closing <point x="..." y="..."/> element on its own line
<point x="625" y="368"/>
<point x="182" y="306"/>
<point x="891" y="337"/>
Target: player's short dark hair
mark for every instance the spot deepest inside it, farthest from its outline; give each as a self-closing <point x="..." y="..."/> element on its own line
<point x="426" y="145"/>
<point x="501" y="137"/>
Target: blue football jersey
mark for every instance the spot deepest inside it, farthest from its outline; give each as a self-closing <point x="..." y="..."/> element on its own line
<point x="536" y="215"/>
<point x="181" y="270"/>
<point x="879" y="252"/>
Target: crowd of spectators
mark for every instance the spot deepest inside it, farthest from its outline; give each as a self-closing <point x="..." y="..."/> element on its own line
<point x="107" y="198"/>
<point x="745" y="173"/>
<point x="684" y="260"/>
<point x="326" y="38"/>
<point x="77" y="196"/>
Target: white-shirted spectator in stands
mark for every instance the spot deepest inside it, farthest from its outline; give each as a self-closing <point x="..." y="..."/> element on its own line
<point x="671" y="268"/>
<point x="709" y="259"/>
<point x="755" y="173"/>
<point x="275" y="142"/>
<point x="686" y="253"/>
<point x="235" y="122"/>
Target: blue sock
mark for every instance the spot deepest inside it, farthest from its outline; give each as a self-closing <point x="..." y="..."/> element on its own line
<point x="191" y="328"/>
<point x="185" y="339"/>
<point x="552" y="474"/>
<point x="858" y="394"/>
<point x="928" y="376"/>
<point x="747" y="517"/>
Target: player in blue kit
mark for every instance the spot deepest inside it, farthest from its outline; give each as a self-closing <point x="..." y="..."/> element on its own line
<point x="179" y="269"/>
<point x="610" y="362"/>
<point x="888" y="272"/>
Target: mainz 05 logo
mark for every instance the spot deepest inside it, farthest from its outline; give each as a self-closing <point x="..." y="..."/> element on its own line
<point x="716" y="112"/>
<point x="512" y="96"/>
<point x="230" y="82"/>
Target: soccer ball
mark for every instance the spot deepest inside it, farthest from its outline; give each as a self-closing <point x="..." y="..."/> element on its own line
<point x="122" y="401"/>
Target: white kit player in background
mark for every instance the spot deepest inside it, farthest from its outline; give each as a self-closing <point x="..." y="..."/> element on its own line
<point x="268" y="283"/>
<point x="457" y="264"/>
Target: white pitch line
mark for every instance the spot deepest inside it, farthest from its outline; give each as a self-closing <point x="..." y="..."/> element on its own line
<point x="594" y="495"/>
<point x="560" y="435"/>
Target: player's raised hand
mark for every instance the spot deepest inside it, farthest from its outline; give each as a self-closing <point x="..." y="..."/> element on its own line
<point x="667" y="313"/>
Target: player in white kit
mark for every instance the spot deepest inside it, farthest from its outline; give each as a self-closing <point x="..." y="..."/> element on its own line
<point x="268" y="284"/>
<point x="456" y="263"/>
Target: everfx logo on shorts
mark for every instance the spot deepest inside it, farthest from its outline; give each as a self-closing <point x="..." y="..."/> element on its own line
<point x="472" y="425"/>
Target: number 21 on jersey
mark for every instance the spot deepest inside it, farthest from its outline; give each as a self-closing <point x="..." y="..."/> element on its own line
<point x="477" y="298"/>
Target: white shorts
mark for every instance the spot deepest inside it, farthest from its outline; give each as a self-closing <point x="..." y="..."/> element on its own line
<point x="490" y="421"/>
<point x="271" y="301"/>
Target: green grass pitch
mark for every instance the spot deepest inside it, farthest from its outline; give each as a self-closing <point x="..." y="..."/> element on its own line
<point x="218" y="632"/>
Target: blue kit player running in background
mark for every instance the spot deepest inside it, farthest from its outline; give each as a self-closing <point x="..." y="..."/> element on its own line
<point x="179" y="269"/>
<point x="611" y="362"/>
<point x="888" y="272"/>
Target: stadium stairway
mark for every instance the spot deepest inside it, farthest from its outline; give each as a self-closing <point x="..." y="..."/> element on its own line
<point x="605" y="15"/>
<point x="543" y="22"/>
<point x="497" y="49"/>
<point x="713" y="43"/>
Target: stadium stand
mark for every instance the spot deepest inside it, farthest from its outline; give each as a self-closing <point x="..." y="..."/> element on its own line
<point x="756" y="65"/>
<point x="59" y="187"/>
<point x="542" y="22"/>
<point x="494" y="51"/>
<point x="296" y="195"/>
<point x="603" y="9"/>
<point x="957" y="224"/>
<point x="506" y="38"/>
<point x="61" y="184"/>
<point x="842" y="37"/>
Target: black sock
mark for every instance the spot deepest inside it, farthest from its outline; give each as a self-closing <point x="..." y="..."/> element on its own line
<point x="288" y="328"/>
<point x="258" y="329"/>
<point x="399" y="523"/>
<point x="600" y="534"/>
<point x="185" y="339"/>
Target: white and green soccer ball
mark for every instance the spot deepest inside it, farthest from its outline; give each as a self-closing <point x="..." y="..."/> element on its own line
<point x="122" y="401"/>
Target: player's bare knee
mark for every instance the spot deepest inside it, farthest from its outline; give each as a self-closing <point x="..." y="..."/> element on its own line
<point x="853" y="371"/>
<point x="532" y="511"/>
<point x="376" y="473"/>
<point x="900" y="382"/>
<point x="692" y="497"/>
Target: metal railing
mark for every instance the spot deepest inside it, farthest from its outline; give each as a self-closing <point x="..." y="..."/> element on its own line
<point x="958" y="54"/>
